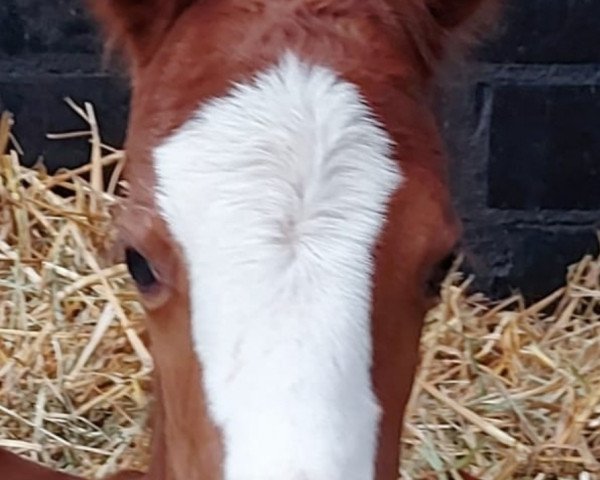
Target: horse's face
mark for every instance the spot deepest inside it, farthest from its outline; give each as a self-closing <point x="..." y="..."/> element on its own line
<point x="286" y="230"/>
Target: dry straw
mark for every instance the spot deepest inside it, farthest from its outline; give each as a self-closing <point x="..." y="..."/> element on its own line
<point x="73" y="369"/>
<point x="505" y="390"/>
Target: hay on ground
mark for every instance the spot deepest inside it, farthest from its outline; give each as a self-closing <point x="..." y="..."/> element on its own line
<point x="73" y="369"/>
<point x="505" y="390"/>
<point x="508" y="390"/>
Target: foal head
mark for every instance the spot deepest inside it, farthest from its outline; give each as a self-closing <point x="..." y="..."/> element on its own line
<point x="288" y="214"/>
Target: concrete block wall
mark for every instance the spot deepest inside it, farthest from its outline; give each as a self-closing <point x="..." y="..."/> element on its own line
<point x="50" y="50"/>
<point x="524" y="133"/>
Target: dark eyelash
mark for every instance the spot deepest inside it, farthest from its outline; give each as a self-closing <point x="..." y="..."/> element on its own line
<point x="140" y="269"/>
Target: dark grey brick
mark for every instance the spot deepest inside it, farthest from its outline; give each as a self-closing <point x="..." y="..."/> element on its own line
<point x="530" y="259"/>
<point x="545" y="148"/>
<point x="35" y="26"/>
<point x="548" y="31"/>
<point x="39" y="108"/>
<point x="539" y="258"/>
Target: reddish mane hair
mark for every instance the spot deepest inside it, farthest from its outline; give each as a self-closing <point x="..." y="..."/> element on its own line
<point x="438" y="28"/>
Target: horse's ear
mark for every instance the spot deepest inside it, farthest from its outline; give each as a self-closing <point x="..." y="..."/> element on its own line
<point x="454" y="14"/>
<point x="453" y="26"/>
<point x="137" y="26"/>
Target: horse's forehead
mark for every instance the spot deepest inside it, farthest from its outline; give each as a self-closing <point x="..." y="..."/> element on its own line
<point x="194" y="63"/>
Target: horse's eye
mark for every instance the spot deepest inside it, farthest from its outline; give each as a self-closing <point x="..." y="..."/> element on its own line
<point x="439" y="274"/>
<point x="140" y="269"/>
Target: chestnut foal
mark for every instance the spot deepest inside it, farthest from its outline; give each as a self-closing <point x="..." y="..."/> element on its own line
<point x="288" y="214"/>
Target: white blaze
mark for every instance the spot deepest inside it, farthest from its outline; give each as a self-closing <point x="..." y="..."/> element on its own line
<point x="277" y="193"/>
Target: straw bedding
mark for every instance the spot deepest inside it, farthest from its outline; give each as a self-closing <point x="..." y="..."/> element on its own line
<point x="505" y="390"/>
